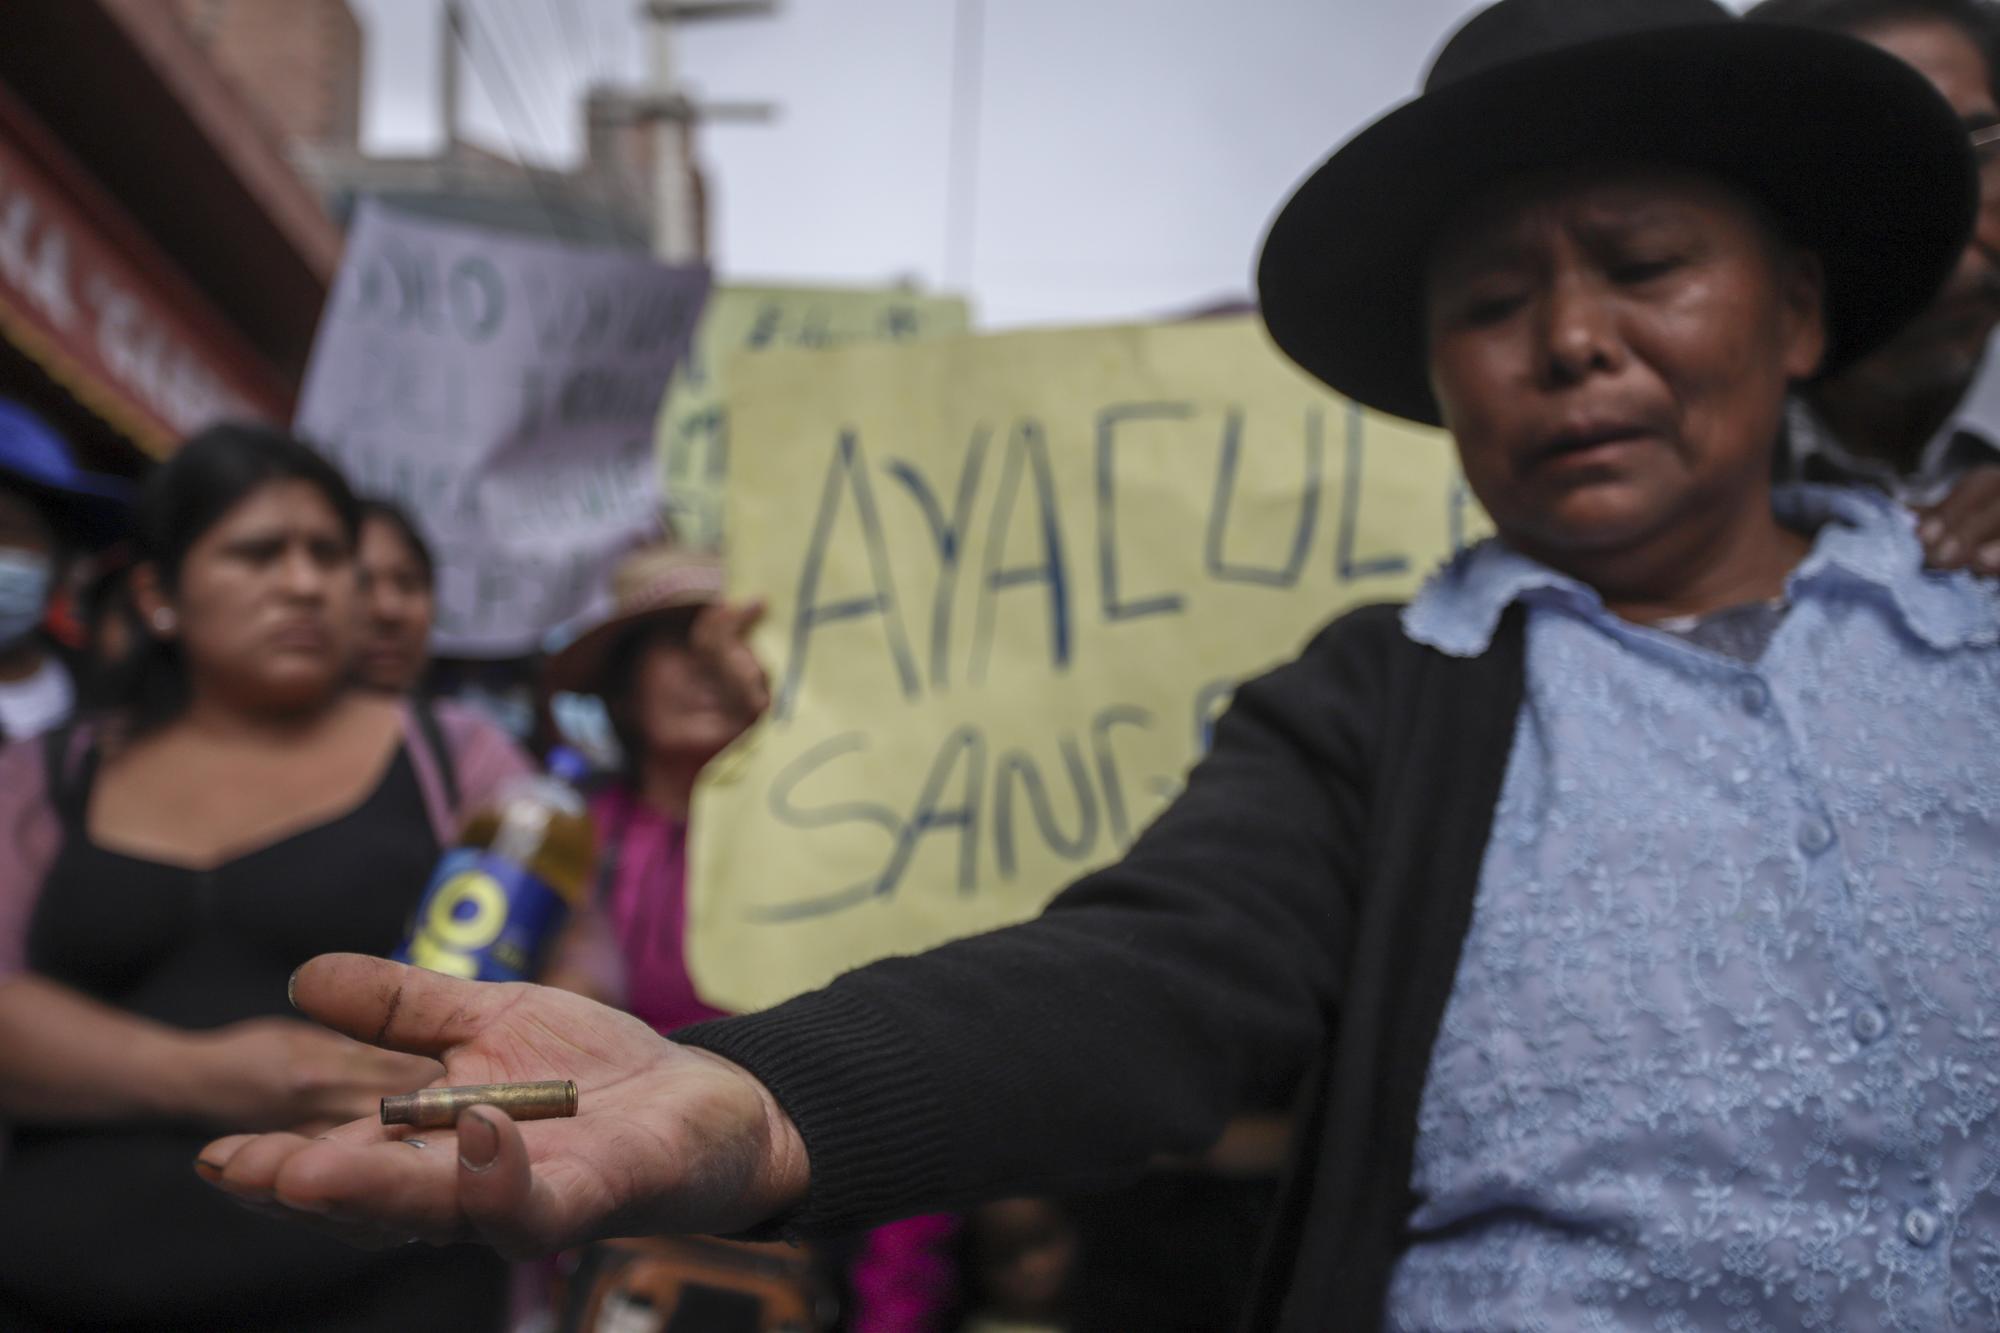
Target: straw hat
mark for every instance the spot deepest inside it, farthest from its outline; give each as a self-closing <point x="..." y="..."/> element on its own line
<point x="655" y="582"/>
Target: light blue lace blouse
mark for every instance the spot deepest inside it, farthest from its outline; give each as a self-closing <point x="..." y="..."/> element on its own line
<point x="1723" y="1051"/>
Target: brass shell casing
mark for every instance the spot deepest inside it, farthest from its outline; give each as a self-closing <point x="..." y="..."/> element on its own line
<point x="438" y="1108"/>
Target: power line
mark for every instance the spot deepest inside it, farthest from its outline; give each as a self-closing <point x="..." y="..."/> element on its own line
<point x="605" y="29"/>
<point x="550" y="206"/>
<point x="600" y="60"/>
<point x="616" y="40"/>
<point x="544" y="53"/>
<point x="563" y="14"/>
<point x="508" y="54"/>
<point x="529" y="101"/>
<point x="593" y="54"/>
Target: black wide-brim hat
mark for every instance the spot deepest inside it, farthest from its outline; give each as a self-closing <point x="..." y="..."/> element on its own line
<point x="1857" y="156"/>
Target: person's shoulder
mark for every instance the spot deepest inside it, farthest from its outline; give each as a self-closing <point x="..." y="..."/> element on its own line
<point x="1364" y="653"/>
<point x="484" y="753"/>
<point x="1367" y="635"/>
<point x="450" y="712"/>
<point x="26" y="793"/>
<point x="460" y="726"/>
<point x="1376" y="625"/>
<point x="1351" y="655"/>
<point x="24" y="764"/>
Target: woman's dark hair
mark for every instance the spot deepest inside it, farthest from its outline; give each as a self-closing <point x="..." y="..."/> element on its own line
<point x="620" y="677"/>
<point x="109" y="615"/>
<point x="398" y="518"/>
<point x="209" y="475"/>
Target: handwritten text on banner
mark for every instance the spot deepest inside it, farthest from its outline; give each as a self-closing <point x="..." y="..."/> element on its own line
<point x="1013" y="580"/>
<point x="694" y="424"/>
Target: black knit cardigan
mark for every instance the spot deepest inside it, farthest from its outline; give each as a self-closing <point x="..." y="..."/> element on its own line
<point x="1292" y="923"/>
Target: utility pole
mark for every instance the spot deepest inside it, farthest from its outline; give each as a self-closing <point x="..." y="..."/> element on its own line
<point x="453" y="35"/>
<point x="680" y="229"/>
<point x="680" y="221"/>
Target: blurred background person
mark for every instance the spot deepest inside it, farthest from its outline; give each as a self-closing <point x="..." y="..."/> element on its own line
<point x="1020" y="1261"/>
<point x="1176" y="1251"/>
<point x="398" y="600"/>
<point x="1920" y="417"/>
<point x="50" y="511"/>
<point x="238" y="807"/>
<point x="679" y="683"/>
<point x="395" y="577"/>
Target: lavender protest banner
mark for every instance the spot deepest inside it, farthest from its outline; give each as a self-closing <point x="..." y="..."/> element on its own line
<point x="505" y="390"/>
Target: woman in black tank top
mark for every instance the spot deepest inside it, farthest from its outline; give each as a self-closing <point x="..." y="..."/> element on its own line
<point x="240" y="813"/>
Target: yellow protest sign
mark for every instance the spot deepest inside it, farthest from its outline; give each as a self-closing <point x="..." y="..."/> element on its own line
<point x="1012" y="582"/>
<point x="693" y="426"/>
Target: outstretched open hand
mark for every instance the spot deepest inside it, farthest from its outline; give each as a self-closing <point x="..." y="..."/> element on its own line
<point x="666" y="1138"/>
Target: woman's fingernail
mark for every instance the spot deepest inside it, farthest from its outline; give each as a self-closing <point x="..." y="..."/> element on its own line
<point x="1948" y="550"/>
<point x="291" y="988"/>
<point x="478" y="1141"/>
<point x="1929" y="530"/>
<point x="1989" y="555"/>
<point x="205" y="1168"/>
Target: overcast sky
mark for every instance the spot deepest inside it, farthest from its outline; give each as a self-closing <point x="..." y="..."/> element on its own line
<point x="1129" y="152"/>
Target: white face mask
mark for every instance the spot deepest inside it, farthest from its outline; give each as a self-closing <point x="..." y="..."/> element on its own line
<point x="24" y="592"/>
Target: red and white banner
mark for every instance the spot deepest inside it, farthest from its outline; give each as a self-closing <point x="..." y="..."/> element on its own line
<point x="85" y="295"/>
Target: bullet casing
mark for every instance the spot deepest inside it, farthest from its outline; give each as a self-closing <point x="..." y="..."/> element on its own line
<point x="438" y="1108"/>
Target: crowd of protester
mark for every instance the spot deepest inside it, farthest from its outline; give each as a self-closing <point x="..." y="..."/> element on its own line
<point x="227" y="753"/>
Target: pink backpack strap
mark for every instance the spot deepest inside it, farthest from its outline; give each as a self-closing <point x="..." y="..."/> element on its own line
<point x="437" y="772"/>
<point x="462" y="760"/>
<point x="69" y="770"/>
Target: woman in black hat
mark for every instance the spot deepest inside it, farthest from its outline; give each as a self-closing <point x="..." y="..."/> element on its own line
<point x="1622" y="911"/>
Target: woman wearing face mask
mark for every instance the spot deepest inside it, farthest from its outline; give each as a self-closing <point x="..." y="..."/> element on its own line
<point x="48" y="507"/>
<point x="398" y="600"/>
<point x="164" y="868"/>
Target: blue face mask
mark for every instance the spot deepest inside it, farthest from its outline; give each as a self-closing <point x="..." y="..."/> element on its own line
<point x="24" y="593"/>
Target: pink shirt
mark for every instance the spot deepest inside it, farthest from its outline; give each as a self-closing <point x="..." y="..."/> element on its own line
<point x="903" y="1278"/>
<point x="646" y="904"/>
